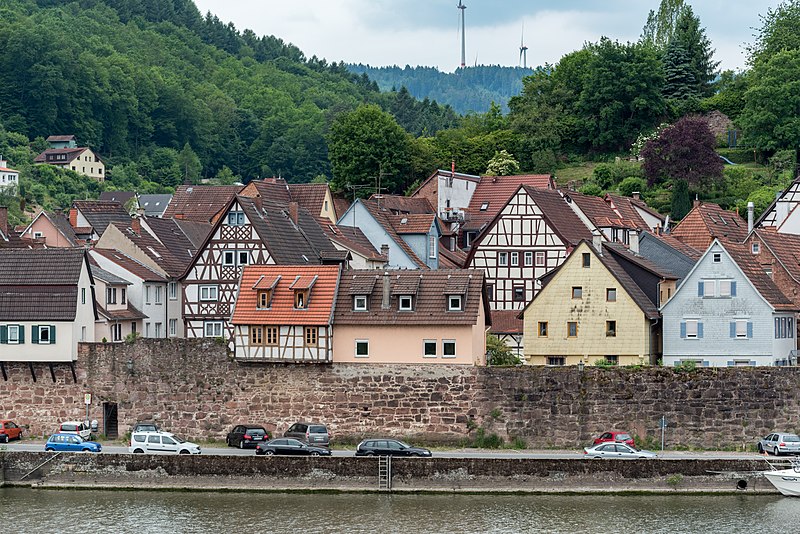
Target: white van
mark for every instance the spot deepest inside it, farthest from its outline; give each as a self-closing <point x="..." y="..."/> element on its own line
<point x="161" y="443"/>
<point x="76" y="427"/>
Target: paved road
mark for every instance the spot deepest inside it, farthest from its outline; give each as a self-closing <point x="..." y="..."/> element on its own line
<point x="456" y="453"/>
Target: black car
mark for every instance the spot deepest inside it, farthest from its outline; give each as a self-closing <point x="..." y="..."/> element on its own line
<point x="389" y="447"/>
<point x="246" y="436"/>
<point x="289" y="446"/>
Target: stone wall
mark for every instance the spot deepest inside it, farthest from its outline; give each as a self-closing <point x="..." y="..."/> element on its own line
<point x="193" y="388"/>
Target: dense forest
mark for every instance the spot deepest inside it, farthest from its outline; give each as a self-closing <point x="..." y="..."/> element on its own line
<point x="168" y="96"/>
<point x="467" y="90"/>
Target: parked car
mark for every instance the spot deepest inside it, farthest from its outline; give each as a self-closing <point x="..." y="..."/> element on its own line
<point x="779" y="443"/>
<point x="145" y="426"/>
<point x="622" y="437"/>
<point x="9" y="430"/>
<point x="617" y="450"/>
<point x="389" y="447"/>
<point x="71" y="443"/>
<point x="79" y="428"/>
<point x="246" y="436"/>
<point x="290" y="446"/>
<point x="311" y="433"/>
<point x="161" y="443"/>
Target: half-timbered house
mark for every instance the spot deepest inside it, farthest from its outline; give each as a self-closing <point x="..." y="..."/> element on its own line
<point x="782" y="213"/>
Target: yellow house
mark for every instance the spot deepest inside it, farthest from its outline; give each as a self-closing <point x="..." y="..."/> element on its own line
<point x="600" y="305"/>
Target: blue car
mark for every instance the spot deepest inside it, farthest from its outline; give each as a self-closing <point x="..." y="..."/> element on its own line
<point x="71" y="443"/>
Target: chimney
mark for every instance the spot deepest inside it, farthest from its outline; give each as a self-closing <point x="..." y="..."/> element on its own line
<point x="634" y="241"/>
<point x="385" y="251"/>
<point x="750" y="212"/>
<point x="636" y="195"/>
<point x="597" y="241"/>
<point x="73" y="217"/>
<point x="136" y="226"/>
<point x="293" y="209"/>
<point x="386" y="301"/>
<point x="666" y="224"/>
<point x="696" y="201"/>
<point x="4" y="220"/>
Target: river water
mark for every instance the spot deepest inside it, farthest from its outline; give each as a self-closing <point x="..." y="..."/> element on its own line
<point x="143" y="512"/>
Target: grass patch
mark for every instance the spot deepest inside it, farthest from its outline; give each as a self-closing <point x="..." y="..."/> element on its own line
<point x="580" y="172"/>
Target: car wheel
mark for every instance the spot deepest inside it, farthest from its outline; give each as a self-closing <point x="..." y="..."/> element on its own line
<point x="315" y="453"/>
<point x="760" y="449"/>
<point x="369" y="453"/>
<point x="777" y="452"/>
<point x="241" y="444"/>
<point x="269" y="453"/>
<point x="49" y="449"/>
<point x="184" y="451"/>
<point x="138" y="451"/>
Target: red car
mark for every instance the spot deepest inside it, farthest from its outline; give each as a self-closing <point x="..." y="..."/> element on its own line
<point x="9" y="430"/>
<point x="622" y="437"/>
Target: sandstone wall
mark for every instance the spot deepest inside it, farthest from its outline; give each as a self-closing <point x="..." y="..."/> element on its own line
<point x="195" y="389"/>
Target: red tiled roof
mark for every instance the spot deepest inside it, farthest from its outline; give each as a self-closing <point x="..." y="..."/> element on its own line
<point x="6" y="169"/>
<point x="200" y="202"/>
<point x="785" y="248"/>
<point x="600" y="212"/>
<point x="399" y="204"/>
<point x="319" y="310"/>
<point x="340" y="205"/>
<point x="310" y="196"/>
<point x="266" y="282"/>
<point x="741" y="256"/>
<point x="412" y="223"/>
<point x="708" y="221"/>
<point x="506" y="322"/>
<point x="304" y="281"/>
<point x="492" y="193"/>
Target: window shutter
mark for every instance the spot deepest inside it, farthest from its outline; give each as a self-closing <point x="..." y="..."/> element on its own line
<point x="700" y="287"/>
<point x="730" y="363"/>
<point x="35" y="334"/>
<point x="21" y="333"/>
<point x="699" y="330"/>
<point x="733" y="329"/>
<point x="53" y="335"/>
<point x="683" y="330"/>
<point x="749" y="330"/>
<point x="733" y="288"/>
<point x="3" y="334"/>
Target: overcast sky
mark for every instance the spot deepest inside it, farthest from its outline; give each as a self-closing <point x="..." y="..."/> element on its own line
<point x="425" y="32"/>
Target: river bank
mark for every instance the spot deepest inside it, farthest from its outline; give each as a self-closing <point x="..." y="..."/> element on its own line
<point x="349" y="474"/>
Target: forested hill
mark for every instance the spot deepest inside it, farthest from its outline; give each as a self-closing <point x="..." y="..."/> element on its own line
<point x="146" y="81"/>
<point x="469" y="89"/>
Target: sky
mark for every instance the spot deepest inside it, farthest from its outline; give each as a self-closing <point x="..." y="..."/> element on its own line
<point x="426" y="32"/>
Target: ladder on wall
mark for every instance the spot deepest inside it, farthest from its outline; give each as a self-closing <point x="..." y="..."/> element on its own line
<point x="385" y="473"/>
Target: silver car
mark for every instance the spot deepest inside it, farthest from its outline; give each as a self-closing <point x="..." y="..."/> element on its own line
<point x="616" y="450"/>
<point x="779" y="443"/>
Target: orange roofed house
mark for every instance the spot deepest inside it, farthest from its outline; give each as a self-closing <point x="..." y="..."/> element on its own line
<point x="283" y="313"/>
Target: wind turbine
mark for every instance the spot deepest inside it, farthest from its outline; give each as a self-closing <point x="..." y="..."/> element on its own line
<point x="462" y="7"/>
<point x="523" y="50"/>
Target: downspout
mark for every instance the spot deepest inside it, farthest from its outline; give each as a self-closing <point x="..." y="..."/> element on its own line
<point x="653" y="324"/>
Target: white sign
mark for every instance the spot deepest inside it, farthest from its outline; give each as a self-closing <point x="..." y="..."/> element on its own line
<point x="87" y="399"/>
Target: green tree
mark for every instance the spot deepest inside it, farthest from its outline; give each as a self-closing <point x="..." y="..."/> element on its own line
<point x="498" y="353"/>
<point x="660" y="25"/>
<point x="779" y="32"/>
<point x="366" y="148"/>
<point x="189" y="164"/>
<point x="502" y="164"/>
<point x="681" y="200"/>
<point x="690" y="36"/>
<point x="679" y="81"/>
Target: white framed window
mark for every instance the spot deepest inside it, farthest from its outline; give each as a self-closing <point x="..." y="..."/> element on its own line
<point x="173" y="327"/>
<point x="158" y="294"/>
<point x="528" y="259"/>
<point x="741" y="329"/>
<point x="38" y="235"/>
<point x="360" y="303"/>
<point x="229" y="258"/>
<point x="515" y="259"/>
<point x="46" y="334"/>
<point x="448" y="348"/>
<point x="540" y="259"/>
<point x="158" y="329"/>
<point x="212" y="329"/>
<point x="123" y="296"/>
<point x="716" y="257"/>
<point x="83" y="295"/>
<point x="362" y="348"/>
<point x="429" y="348"/>
<point x="147" y="299"/>
<point x="405" y="303"/>
<point x="502" y="259"/>
<point x="244" y="257"/>
<point x="709" y="288"/>
<point x="146" y="329"/>
<point x="692" y="329"/>
<point x="13" y="334"/>
<point x="111" y="295"/>
<point x="433" y="246"/>
<point x="209" y="293"/>
<point x="235" y="218"/>
<point x="455" y="303"/>
<point x="172" y="288"/>
<point x="756" y="248"/>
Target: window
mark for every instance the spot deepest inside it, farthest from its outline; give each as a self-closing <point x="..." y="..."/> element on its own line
<point x="229" y="258"/>
<point x="116" y="332"/>
<point x="123" y="296"/>
<point x="300" y="300"/>
<point x="691" y="329"/>
<point x="611" y="328"/>
<point x="158" y="329"/>
<point x="454" y="303"/>
<point x="311" y="336"/>
<point x="717" y="257"/>
<point x="147" y="294"/>
<point x="13" y="334"/>
<point x="405" y="303"/>
<point x="612" y="360"/>
<point x="448" y="348"/>
<point x="429" y="348"/>
<point x="490" y="291"/>
<point x="244" y="257"/>
<point x="572" y="329"/>
<point x="173" y="290"/>
<point x="469" y="238"/>
<point x="360" y="303"/>
<point x="611" y="294"/>
<point x="577" y="292"/>
<point x="158" y="294"/>
<point x="173" y="327"/>
<point x="433" y="245"/>
<point x="540" y="259"/>
<point x="727" y="288"/>
<point x="263" y="300"/>
<point x="484" y="206"/>
<point x="37" y="235"/>
<point x="587" y="259"/>
<point x="44" y="335"/>
<point x="83" y="295"/>
<point x="706" y="288"/>
<point x="235" y="218"/>
<point x="755" y="248"/>
<point x="211" y="328"/>
<point x="515" y="259"/>
<point x="502" y="259"/>
<point x="768" y="271"/>
<point x="362" y="348"/>
<point x="256" y="335"/>
<point x="556" y="361"/>
<point x="528" y="259"/>
<point x="111" y="295"/>
<point x="739" y="329"/>
<point x="209" y="293"/>
<point x="543" y="329"/>
<point x="272" y="335"/>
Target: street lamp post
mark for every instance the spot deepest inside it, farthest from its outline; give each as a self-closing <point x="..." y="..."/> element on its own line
<point x="580" y="366"/>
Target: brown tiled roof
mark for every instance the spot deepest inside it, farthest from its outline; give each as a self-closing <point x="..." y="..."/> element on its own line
<point x="626" y="208"/>
<point x="275" y="189"/>
<point x="168" y="248"/>
<point x="430" y="306"/>
<point x="38" y="303"/>
<point x="741" y="256"/>
<point x="310" y="196"/>
<point x="351" y="238"/>
<point x="128" y="314"/>
<point x="383" y="217"/>
<point x="494" y="192"/>
<point x="200" y="202"/>
<point x="506" y="322"/>
<point x="559" y="216"/>
<point x="362" y="284"/>
<point x="117" y="196"/>
<point x="60" y="138"/>
<point x="71" y="154"/>
<point x="319" y="310"/>
<point x="412" y="223"/>
<point x="451" y="259"/>
<point x="101" y="213"/>
<point x="61" y="223"/>
<point x="600" y="212"/>
<point x="130" y="265"/>
<point x="398" y="204"/>
<point x="785" y="248"/>
<point x="708" y="221"/>
<point x="406" y="285"/>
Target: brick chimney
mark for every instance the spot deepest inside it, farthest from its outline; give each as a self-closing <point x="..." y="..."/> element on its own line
<point x="73" y="217"/>
<point x="136" y="226"/>
<point x="636" y="195"/>
<point x="696" y="202"/>
<point x="385" y="251"/>
<point x="634" y="241"/>
<point x="386" y="301"/>
<point x="4" y="220"/>
<point x="294" y="207"/>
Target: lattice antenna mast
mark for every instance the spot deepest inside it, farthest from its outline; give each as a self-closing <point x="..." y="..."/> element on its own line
<point x="462" y="7"/>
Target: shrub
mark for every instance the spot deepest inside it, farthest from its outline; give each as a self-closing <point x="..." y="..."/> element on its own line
<point x="631" y="184"/>
<point x="591" y="189"/>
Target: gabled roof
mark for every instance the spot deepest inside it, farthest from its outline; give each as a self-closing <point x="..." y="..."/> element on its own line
<point x="398" y="204"/>
<point x="412" y="223"/>
<point x="600" y="212"/>
<point x="706" y="222"/>
<point x="384" y="218"/>
<point x="492" y="193"/>
<point x="70" y="153"/>
<point x="790" y="195"/>
<point x="626" y="208"/>
<point x="430" y="301"/>
<point x="129" y="264"/>
<point x="101" y="213"/>
<point x="200" y="202"/>
<point x="60" y="138"/>
<point x="275" y="189"/>
<point x="117" y="196"/>
<point x="281" y="311"/>
<point x="61" y="225"/>
<point x="451" y="259"/>
<point x="340" y="204"/>
<point x="154" y="205"/>
<point x="104" y="276"/>
<point x="309" y="196"/>
<point x="351" y="238"/>
<point x="559" y="215"/>
<point x="785" y="248"/>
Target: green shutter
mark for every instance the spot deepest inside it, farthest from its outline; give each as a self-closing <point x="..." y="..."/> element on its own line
<point x="21" y="333"/>
<point x="35" y="334"/>
<point x="3" y="334"/>
<point x="52" y="335"/>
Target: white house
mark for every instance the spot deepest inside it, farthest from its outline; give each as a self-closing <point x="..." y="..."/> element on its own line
<point x="8" y="177"/>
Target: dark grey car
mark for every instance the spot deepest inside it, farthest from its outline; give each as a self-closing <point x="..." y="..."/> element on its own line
<point x="311" y="433"/>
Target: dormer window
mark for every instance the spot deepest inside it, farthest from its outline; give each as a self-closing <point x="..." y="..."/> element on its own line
<point x="455" y="303"/>
<point x="484" y="206"/>
<point x="300" y="299"/>
<point x="405" y="303"/>
<point x="264" y="299"/>
<point x="235" y="218"/>
<point x="360" y="303"/>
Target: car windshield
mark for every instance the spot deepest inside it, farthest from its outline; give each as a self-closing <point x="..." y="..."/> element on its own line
<point x="176" y="438"/>
<point x="403" y="445"/>
<point x="317" y="430"/>
<point x="791" y="437"/>
<point x="623" y="437"/>
<point x="255" y="431"/>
